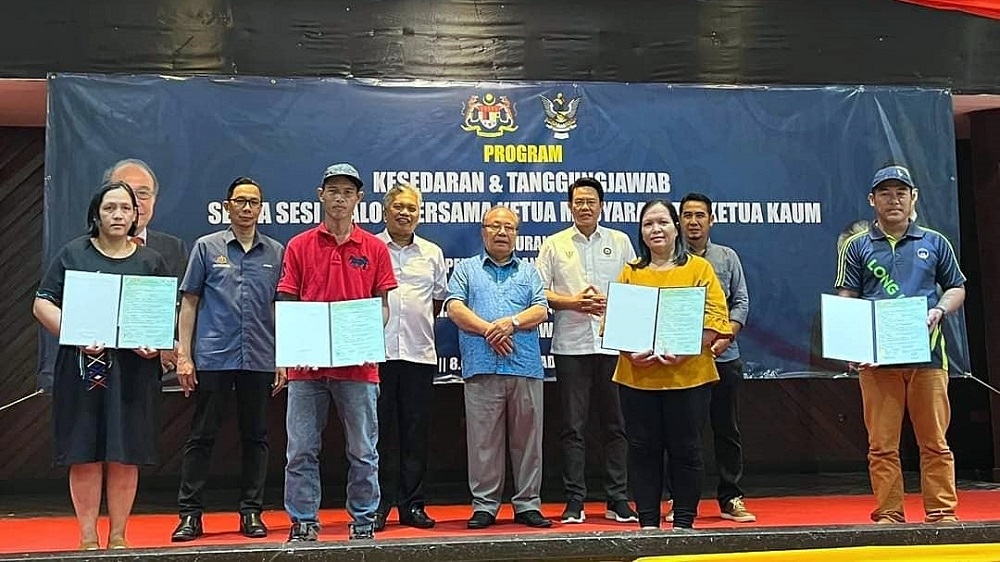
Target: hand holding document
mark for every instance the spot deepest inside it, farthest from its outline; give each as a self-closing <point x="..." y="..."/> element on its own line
<point x="883" y="332"/>
<point x="118" y="311"/>
<point x="667" y="321"/>
<point x="329" y="334"/>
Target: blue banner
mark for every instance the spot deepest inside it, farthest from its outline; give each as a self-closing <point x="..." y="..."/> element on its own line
<point x="788" y="168"/>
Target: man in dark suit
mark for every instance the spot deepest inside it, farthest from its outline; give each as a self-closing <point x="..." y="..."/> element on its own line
<point x="143" y="181"/>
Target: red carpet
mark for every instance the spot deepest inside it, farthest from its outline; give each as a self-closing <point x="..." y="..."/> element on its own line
<point x="145" y="531"/>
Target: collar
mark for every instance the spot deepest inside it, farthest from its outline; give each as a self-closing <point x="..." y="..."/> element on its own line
<point x="229" y="237"/>
<point x="708" y="246"/>
<point x="354" y="236"/>
<point x="384" y="236"/>
<point x="912" y="231"/>
<point x="142" y="235"/>
<point x="485" y="258"/>
<point x="598" y="232"/>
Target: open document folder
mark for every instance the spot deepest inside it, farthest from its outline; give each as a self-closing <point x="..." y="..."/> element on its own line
<point x="118" y="311"/>
<point x="667" y="320"/>
<point x="329" y="334"/>
<point x="886" y="332"/>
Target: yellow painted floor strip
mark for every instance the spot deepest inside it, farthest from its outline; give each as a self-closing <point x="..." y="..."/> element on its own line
<point x="989" y="552"/>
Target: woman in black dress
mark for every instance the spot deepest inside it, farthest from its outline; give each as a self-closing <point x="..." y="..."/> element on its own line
<point x="106" y="402"/>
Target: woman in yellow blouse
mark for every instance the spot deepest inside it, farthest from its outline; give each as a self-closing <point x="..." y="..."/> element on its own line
<point x="665" y="398"/>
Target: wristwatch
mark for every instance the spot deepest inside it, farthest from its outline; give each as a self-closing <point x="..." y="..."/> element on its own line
<point x="513" y="320"/>
<point x="942" y="309"/>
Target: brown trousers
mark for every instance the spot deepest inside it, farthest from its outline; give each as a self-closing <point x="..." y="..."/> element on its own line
<point x="886" y="392"/>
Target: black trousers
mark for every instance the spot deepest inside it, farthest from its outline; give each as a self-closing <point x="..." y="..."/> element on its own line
<point x="584" y="386"/>
<point x="724" y="414"/>
<point x="658" y="421"/>
<point x="404" y="405"/>
<point x="253" y="390"/>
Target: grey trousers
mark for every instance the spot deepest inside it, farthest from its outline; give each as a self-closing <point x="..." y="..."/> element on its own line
<point x="502" y="409"/>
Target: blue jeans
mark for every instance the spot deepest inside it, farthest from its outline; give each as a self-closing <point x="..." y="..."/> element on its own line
<point x="308" y="404"/>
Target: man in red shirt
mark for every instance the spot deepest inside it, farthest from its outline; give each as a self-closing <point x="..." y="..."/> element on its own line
<point x="336" y="261"/>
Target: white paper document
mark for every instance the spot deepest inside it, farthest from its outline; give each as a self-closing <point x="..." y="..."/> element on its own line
<point x="884" y="332"/>
<point x="118" y="311"/>
<point x="325" y="334"/>
<point x="665" y="320"/>
<point x="90" y="309"/>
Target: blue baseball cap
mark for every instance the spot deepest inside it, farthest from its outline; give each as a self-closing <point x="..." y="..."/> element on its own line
<point x="343" y="169"/>
<point x="894" y="172"/>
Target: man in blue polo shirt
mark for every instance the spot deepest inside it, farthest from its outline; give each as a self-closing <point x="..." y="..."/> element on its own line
<point x="897" y="258"/>
<point x="497" y="301"/>
<point x="228" y="293"/>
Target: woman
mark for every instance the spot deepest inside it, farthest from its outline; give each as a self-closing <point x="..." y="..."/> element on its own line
<point x="106" y="402"/>
<point x="665" y="399"/>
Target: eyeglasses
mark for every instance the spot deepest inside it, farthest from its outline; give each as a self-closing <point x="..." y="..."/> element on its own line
<point x="241" y="202"/>
<point x="144" y="194"/>
<point x="495" y="228"/>
<point x="585" y="203"/>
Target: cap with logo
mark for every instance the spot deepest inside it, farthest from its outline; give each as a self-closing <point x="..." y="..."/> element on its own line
<point x="894" y="172"/>
<point x="343" y="169"/>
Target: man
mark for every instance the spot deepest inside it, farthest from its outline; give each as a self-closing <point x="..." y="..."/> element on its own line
<point x="497" y="302"/>
<point x="897" y="258"/>
<point x="140" y="177"/>
<point x="576" y="266"/>
<point x="407" y="376"/>
<point x="143" y="182"/>
<point x="228" y="293"/>
<point x="696" y="222"/>
<point x="336" y="261"/>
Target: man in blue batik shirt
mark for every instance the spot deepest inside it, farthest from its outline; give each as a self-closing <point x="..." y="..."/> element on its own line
<point x="497" y="301"/>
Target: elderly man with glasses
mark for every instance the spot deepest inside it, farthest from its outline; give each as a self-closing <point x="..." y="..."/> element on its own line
<point x="497" y="301"/>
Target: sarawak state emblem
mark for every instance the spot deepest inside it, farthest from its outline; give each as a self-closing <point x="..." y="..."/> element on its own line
<point x="560" y="115"/>
<point x="490" y="117"/>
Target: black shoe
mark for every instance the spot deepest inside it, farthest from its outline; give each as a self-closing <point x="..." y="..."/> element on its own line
<point x="252" y="526"/>
<point x="302" y="532"/>
<point x="415" y="517"/>
<point x="481" y="520"/>
<point x="621" y="511"/>
<point x="188" y="529"/>
<point x="532" y="518"/>
<point x="574" y="512"/>
<point x="380" y="517"/>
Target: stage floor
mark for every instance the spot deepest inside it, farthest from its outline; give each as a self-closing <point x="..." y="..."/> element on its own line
<point x="782" y="522"/>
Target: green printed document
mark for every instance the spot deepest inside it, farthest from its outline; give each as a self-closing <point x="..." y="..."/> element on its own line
<point x="883" y="332"/>
<point x="329" y="334"/>
<point x="667" y="320"/>
<point x="118" y="311"/>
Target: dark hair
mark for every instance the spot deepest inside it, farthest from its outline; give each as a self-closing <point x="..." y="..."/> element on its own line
<point x="680" y="247"/>
<point x="94" y="210"/>
<point x="587" y="182"/>
<point x="697" y="198"/>
<point x="243" y="180"/>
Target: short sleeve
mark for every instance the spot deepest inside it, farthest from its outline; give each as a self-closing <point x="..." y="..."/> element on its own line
<point x="949" y="275"/>
<point x="385" y="279"/>
<point x="51" y="286"/>
<point x="538" y="289"/>
<point x="458" y="285"/>
<point x="290" y="281"/>
<point x="716" y="309"/>
<point x="544" y="263"/>
<point x="440" y="290"/>
<point x="194" y="277"/>
<point x="849" y="266"/>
